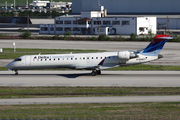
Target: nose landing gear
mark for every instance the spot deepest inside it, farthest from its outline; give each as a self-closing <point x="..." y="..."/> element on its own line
<point x="16" y="72"/>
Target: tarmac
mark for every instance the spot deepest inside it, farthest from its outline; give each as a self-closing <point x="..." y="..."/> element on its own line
<point x="70" y="100"/>
<point x="74" y="78"/>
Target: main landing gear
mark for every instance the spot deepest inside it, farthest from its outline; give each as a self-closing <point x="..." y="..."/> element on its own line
<point x="96" y="72"/>
<point x="16" y="72"/>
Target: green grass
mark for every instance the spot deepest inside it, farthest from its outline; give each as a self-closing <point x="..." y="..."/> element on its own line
<point x="48" y="50"/>
<point x="149" y="67"/>
<point x="167" y="111"/>
<point x="36" y="92"/>
<point x="158" y="110"/>
<point x="8" y="53"/>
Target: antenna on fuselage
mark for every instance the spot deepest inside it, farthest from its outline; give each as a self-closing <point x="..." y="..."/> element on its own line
<point x="39" y="53"/>
<point x="71" y="53"/>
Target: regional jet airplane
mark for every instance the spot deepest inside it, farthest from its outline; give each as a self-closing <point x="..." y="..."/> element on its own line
<point x="91" y="61"/>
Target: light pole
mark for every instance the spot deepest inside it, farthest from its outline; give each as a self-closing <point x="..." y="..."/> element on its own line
<point x="14" y="5"/>
<point x="6" y="5"/>
<point x="14" y="46"/>
<point x="28" y="22"/>
<point x="99" y="19"/>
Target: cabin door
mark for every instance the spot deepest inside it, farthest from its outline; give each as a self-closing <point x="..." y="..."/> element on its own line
<point x="28" y="61"/>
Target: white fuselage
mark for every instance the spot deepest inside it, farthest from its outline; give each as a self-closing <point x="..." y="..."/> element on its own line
<point x="76" y="61"/>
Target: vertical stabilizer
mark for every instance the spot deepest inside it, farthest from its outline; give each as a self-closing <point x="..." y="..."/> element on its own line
<point x="157" y="44"/>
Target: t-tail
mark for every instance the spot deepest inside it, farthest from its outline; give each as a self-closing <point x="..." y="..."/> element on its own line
<point x="156" y="45"/>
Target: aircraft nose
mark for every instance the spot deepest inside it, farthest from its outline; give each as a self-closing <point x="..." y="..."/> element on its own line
<point x="9" y="66"/>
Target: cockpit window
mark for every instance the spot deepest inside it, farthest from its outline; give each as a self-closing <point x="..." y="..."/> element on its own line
<point x="17" y="59"/>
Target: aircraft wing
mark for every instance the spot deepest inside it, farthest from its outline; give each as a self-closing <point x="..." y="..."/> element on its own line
<point x="90" y="67"/>
<point x="87" y="67"/>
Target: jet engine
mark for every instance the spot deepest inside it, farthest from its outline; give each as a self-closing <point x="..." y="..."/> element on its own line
<point x="126" y="55"/>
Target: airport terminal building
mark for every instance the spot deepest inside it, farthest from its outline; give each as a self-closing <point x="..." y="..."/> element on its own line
<point x="128" y="6"/>
<point x="97" y="22"/>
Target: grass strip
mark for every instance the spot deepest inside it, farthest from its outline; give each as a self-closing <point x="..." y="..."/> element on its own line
<point x="37" y="92"/>
<point x="149" y="67"/>
<point x="8" y="53"/>
<point x="157" y="110"/>
<point x="139" y="67"/>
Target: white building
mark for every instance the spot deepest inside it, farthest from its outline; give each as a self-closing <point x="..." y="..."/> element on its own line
<point x="39" y="3"/>
<point x="61" y="4"/>
<point x="91" y="22"/>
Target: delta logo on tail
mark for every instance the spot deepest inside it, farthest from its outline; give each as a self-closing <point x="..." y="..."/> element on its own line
<point x="157" y="43"/>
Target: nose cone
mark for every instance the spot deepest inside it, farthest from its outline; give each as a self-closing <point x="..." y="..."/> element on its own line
<point x="9" y="66"/>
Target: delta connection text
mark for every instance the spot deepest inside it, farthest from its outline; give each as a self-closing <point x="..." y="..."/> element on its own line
<point x="52" y="57"/>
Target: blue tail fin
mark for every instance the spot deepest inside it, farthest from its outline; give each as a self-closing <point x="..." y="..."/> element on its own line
<point x="157" y="44"/>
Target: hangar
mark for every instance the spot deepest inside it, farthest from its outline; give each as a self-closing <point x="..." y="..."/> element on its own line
<point x="128" y="6"/>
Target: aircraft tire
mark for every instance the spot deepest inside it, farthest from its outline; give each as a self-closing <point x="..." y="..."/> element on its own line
<point x="94" y="73"/>
<point x="98" y="72"/>
<point x="16" y="72"/>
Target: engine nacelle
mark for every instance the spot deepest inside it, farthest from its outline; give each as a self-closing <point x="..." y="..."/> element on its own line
<point x="126" y="55"/>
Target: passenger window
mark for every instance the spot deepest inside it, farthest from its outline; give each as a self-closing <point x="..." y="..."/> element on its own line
<point x="49" y="59"/>
<point x="54" y="59"/>
<point x="92" y="57"/>
<point x="96" y="57"/>
<point x="58" y="58"/>
<point x="41" y="59"/>
<point x="71" y="58"/>
<point x="87" y="57"/>
<point x="83" y="57"/>
<point x="45" y="59"/>
<point x="109" y="57"/>
<point x="101" y="57"/>
<point x="75" y="58"/>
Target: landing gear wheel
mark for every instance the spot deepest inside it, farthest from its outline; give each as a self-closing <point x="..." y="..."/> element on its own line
<point x="98" y="72"/>
<point x="16" y="72"/>
<point x="94" y="73"/>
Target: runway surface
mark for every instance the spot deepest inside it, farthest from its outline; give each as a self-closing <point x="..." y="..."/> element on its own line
<point x="170" y="50"/>
<point x="84" y="78"/>
<point x="121" y="99"/>
<point x="68" y="44"/>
